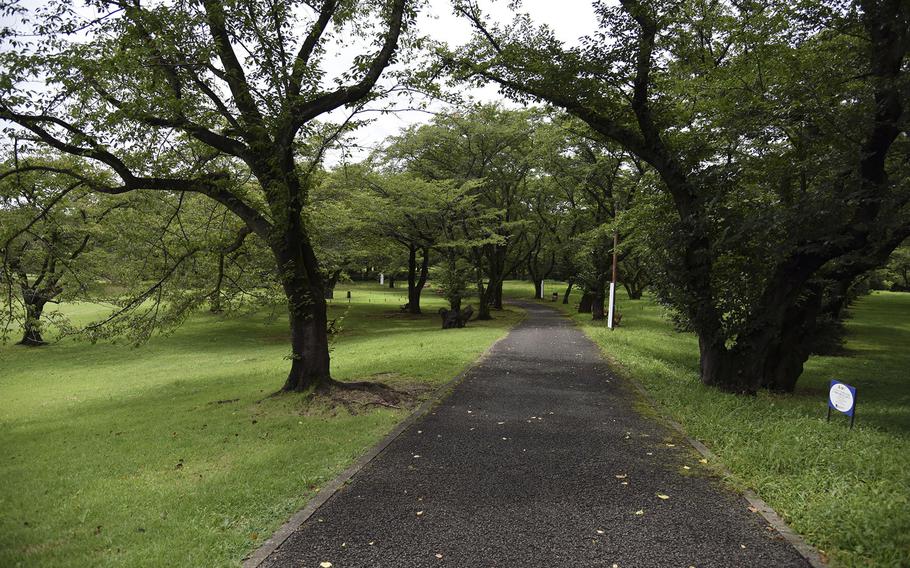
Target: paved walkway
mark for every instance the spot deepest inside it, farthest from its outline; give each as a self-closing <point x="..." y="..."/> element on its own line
<point x="536" y="460"/>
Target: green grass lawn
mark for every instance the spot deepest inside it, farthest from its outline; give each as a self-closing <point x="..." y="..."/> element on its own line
<point x="847" y="492"/>
<point x="173" y="454"/>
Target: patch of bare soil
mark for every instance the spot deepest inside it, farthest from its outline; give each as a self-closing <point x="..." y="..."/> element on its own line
<point x="357" y="397"/>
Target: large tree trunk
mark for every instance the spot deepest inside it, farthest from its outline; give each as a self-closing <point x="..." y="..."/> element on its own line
<point x="599" y="297"/>
<point x="497" y="259"/>
<point x="538" y="288"/>
<point x="586" y="302"/>
<point x="304" y="286"/>
<point x="597" y="304"/>
<point x="34" y="308"/>
<point x="728" y="370"/>
<point x="309" y="339"/>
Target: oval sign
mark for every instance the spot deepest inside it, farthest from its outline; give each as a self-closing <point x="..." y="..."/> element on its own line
<point x="841" y="398"/>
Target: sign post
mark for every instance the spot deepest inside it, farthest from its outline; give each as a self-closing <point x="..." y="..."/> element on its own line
<point x="612" y="306"/>
<point x="842" y="398"/>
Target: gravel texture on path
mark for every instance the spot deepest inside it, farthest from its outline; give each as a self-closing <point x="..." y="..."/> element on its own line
<point x="537" y="459"/>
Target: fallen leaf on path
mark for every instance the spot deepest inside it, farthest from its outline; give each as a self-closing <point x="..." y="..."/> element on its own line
<point x="621" y="476"/>
<point x="325" y="565"/>
<point x="500" y="423"/>
<point x="686" y="467"/>
<point x="599" y="531"/>
<point x="703" y="460"/>
<point x="419" y="513"/>
<point x="753" y="510"/>
<point x="671" y="445"/>
<point x="438" y="555"/>
<point x="639" y="512"/>
<point x="662" y="496"/>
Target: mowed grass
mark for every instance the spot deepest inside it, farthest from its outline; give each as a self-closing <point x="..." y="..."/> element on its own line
<point x="847" y="492"/>
<point x="173" y="453"/>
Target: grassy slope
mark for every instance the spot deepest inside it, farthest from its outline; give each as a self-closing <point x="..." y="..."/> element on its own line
<point x="846" y="492"/>
<point x="120" y="456"/>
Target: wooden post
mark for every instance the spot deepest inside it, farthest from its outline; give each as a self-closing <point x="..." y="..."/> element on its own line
<point x="610" y="313"/>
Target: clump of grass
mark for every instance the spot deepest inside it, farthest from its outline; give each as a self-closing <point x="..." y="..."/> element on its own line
<point x="174" y="454"/>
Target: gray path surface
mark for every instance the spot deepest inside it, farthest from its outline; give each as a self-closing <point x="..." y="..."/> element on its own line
<point x="536" y="460"/>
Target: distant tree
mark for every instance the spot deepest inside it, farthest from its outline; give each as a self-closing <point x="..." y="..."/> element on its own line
<point x="180" y="97"/>
<point x="898" y="268"/>
<point x="50" y="226"/>
<point x="492" y="147"/>
<point x="597" y="185"/>
<point x="410" y="212"/>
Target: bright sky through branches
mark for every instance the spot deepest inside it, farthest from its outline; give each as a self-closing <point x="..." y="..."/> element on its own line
<point x="569" y="19"/>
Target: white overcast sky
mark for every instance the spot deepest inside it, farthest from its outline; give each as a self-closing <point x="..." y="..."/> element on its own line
<point x="569" y="19"/>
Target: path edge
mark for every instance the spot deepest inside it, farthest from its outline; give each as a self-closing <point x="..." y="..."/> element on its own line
<point x="803" y="548"/>
<point x="806" y="550"/>
<point x="258" y="556"/>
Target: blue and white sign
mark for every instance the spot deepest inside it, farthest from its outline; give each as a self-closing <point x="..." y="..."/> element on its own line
<point x="842" y="397"/>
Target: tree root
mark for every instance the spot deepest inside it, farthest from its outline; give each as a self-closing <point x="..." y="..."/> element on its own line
<point x="355" y="396"/>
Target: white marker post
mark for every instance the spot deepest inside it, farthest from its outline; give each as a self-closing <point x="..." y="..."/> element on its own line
<point x="381" y="278"/>
<point x="613" y="284"/>
<point x="612" y="304"/>
<point x="541" y="289"/>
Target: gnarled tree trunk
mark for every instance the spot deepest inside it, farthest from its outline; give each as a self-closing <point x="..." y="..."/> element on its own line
<point x="309" y="338"/>
<point x="34" y="309"/>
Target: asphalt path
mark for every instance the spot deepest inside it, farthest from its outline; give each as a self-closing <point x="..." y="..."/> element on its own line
<point x="537" y="459"/>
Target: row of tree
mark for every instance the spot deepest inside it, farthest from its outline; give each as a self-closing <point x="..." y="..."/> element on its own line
<point x="752" y="157"/>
